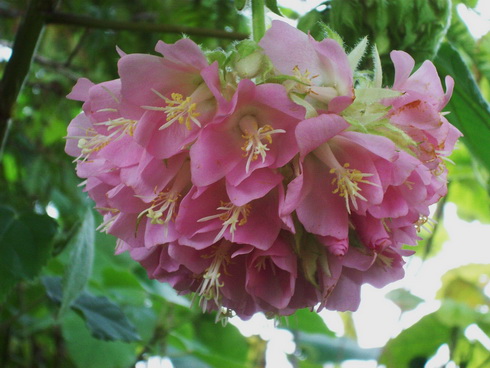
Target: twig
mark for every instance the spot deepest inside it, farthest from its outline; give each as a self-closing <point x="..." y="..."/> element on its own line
<point x="77" y="48"/>
<point x="90" y="22"/>
<point x="438" y="214"/>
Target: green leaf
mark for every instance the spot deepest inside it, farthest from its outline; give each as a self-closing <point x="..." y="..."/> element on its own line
<point x="470" y="113"/>
<point x="87" y="351"/>
<point x="80" y="262"/>
<point x="467" y="187"/>
<point x="240" y="4"/>
<point x="317" y="348"/>
<point x="307" y="321"/>
<point x="226" y="346"/>
<point x="272" y="5"/>
<point x="456" y="314"/>
<point x="404" y="299"/>
<point x="105" y="320"/>
<point x="25" y="245"/>
<point x="309" y="22"/>
<point x="418" y="341"/>
<point x="466" y="284"/>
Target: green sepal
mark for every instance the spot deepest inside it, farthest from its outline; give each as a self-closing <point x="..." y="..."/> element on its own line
<point x="310" y="110"/>
<point x="218" y="55"/>
<point x="272" y="6"/>
<point x="356" y="55"/>
<point x="328" y="32"/>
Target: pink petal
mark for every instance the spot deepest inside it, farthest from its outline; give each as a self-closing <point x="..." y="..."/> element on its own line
<point x="313" y="132"/>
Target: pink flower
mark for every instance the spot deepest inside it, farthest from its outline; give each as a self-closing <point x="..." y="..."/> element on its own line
<point x="209" y="215"/>
<point x="258" y="196"/>
<point x="255" y="130"/>
<point x="322" y="67"/>
<point x="172" y="95"/>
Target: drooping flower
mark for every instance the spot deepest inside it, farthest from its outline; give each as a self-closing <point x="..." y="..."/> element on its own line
<point x="285" y="191"/>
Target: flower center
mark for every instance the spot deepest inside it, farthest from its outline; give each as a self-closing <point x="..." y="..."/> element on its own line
<point x="209" y="288"/>
<point x="231" y="216"/>
<point x="253" y="136"/>
<point x="178" y="109"/>
<point x="305" y="81"/>
<point x="261" y="264"/>
<point x="93" y="142"/>
<point x="162" y="209"/>
<point x="347" y="181"/>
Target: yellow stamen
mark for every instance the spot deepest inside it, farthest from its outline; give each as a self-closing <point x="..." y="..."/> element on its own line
<point x="231" y="217"/>
<point x="108" y="220"/>
<point x="425" y="223"/>
<point x="93" y="142"/>
<point x="253" y="136"/>
<point x="178" y="109"/>
<point x="209" y="288"/>
<point x="347" y="181"/>
<point x="305" y="81"/>
<point x="164" y="202"/>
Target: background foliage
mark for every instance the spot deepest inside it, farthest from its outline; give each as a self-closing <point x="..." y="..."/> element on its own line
<point x="66" y="301"/>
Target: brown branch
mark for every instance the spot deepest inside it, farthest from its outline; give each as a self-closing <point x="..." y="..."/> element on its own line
<point x="17" y="68"/>
<point x="90" y="22"/>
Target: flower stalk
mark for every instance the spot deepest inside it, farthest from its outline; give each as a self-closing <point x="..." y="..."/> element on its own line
<point x="258" y="19"/>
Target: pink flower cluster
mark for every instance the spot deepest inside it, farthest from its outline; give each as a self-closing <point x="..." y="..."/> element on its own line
<point x="286" y="190"/>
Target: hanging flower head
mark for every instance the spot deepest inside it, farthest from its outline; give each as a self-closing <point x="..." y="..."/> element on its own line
<point x="283" y="185"/>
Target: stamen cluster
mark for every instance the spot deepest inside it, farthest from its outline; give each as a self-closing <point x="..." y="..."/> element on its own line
<point x="279" y="191"/>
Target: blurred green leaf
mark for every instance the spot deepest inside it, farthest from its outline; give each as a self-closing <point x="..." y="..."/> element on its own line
<point x="466" y="284"/>
<point x="418" y="341"/>
<point x="289" y="13"/>
<point x="470" y="113"/>
<point x="310" y="23"/>
<point x="79" y="267"/>
<point x="105" y="320"/>
<point x="456" y="314"/>
<point x="272" y="5"/>
<point x="25" y="244"/>
<point x="87" y="351"/>
<point x="318" y="348"/>
<point x="226" y="346"/>
<point x="404" y="299"/>
<point x="307" y="321"/>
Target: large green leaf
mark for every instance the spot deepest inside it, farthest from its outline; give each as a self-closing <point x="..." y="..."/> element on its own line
<point x="226" y="346"/>
<point x="79" y="267"/>
<point x="105" y="320"/>
<point x="25" y="245"/>
<point x="416" y="343"/>
<point x="320" y="349"/>
<point x="470" y="113"/>
<point x="87" y="351"/>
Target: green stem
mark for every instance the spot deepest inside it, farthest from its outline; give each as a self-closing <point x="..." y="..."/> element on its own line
<point x="17" y="68"/>
<point x="258" y="19"/>
<point x="90" y="22"/>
